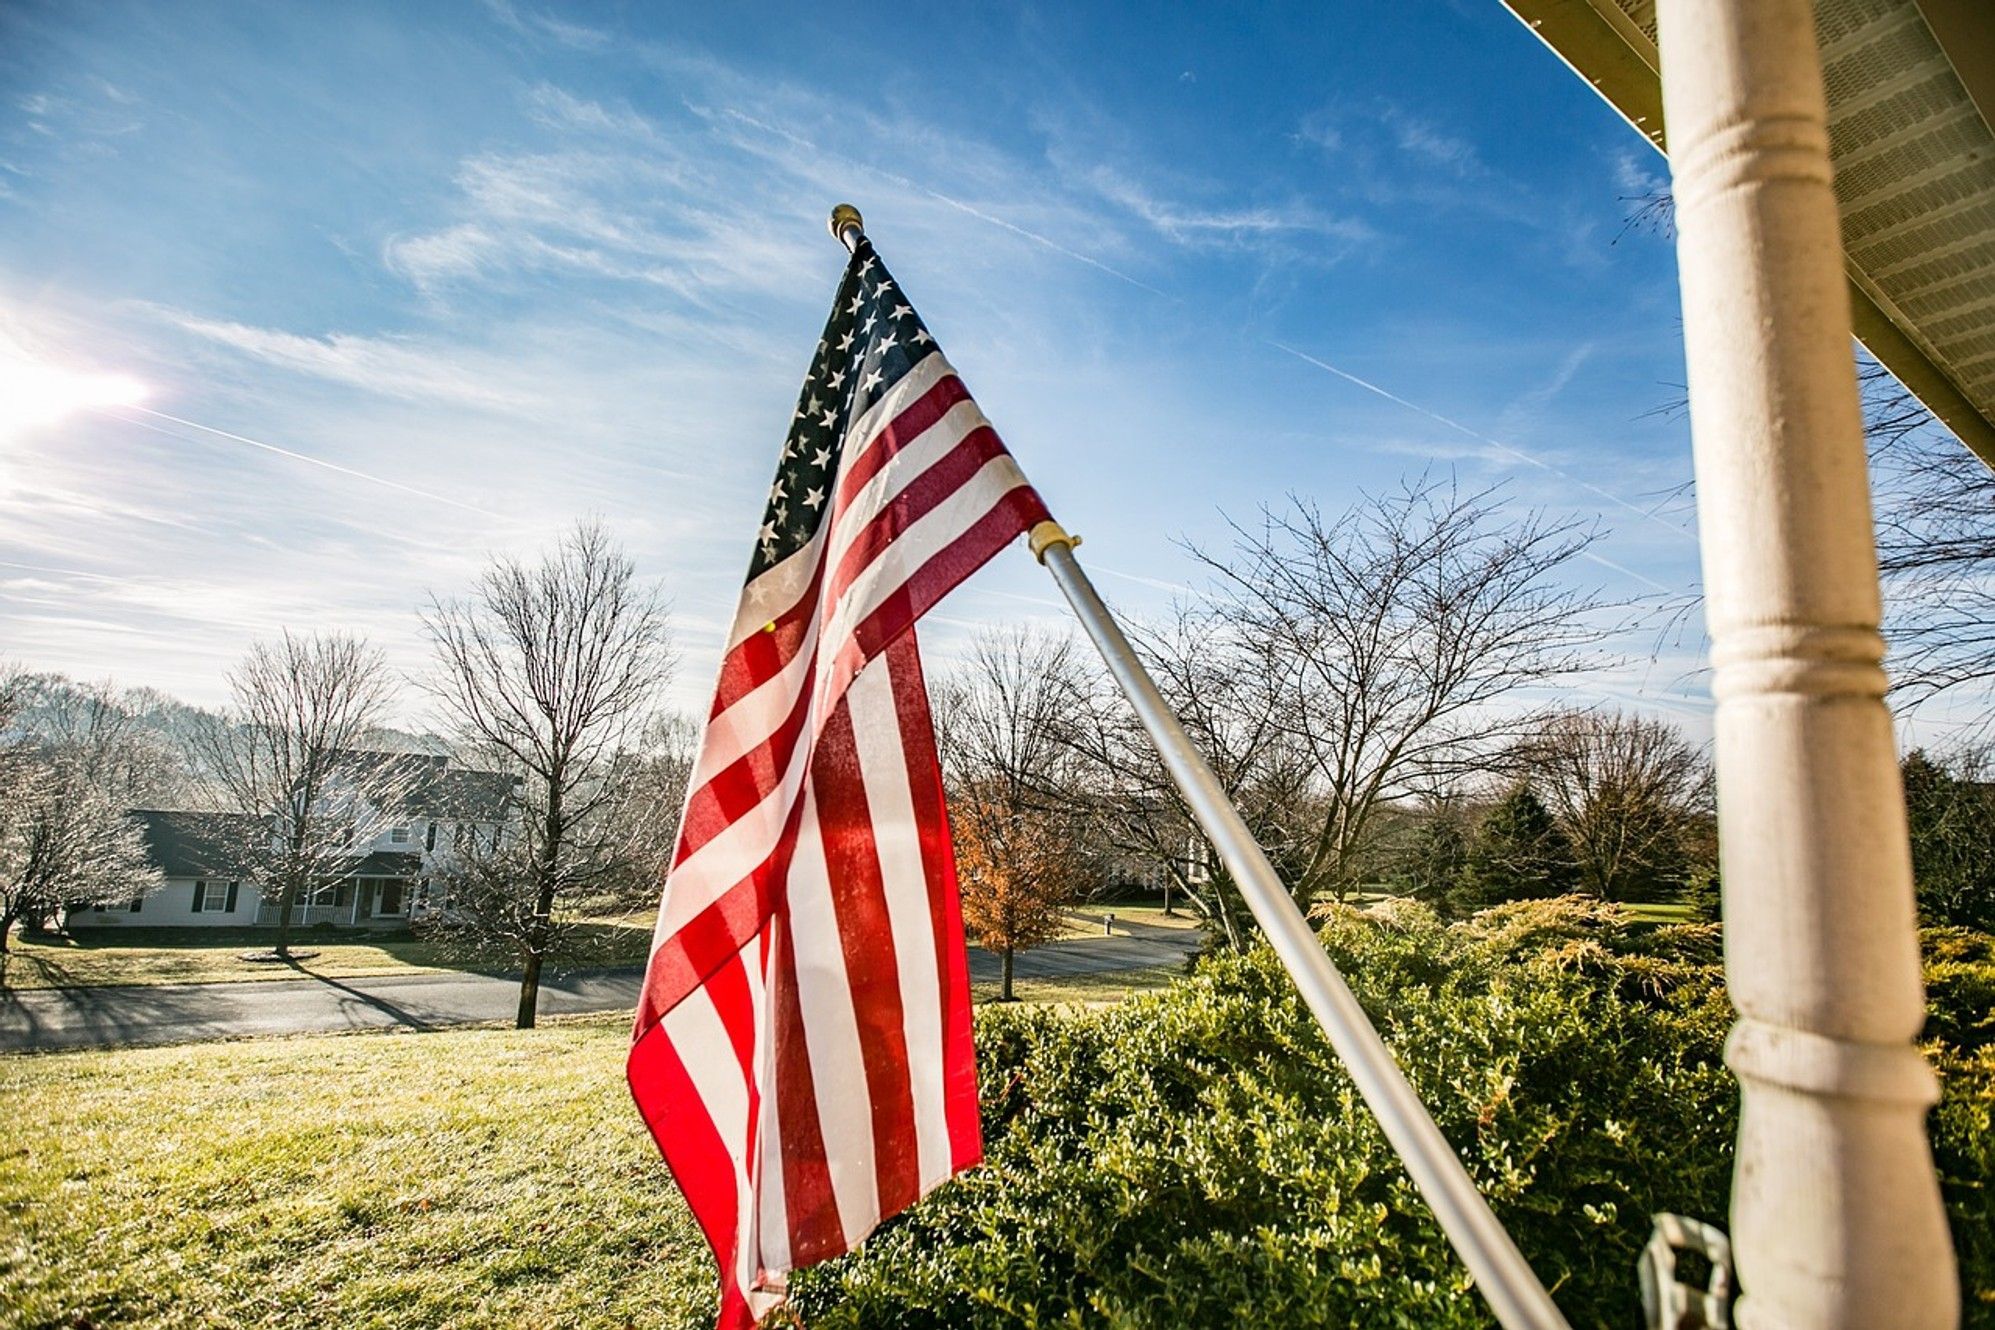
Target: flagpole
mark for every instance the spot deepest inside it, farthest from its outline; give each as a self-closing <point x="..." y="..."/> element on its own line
<point x="1501" y="1273"/>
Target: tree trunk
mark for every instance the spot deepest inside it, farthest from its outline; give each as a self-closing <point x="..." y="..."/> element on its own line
<point x="6" y="936"/>
<point x="536" y="952"/>
<point x="552" y="830"/>
<point x="1004" y="993"/>
<point x="529" y="994"/>
<point x="285" y="901"/>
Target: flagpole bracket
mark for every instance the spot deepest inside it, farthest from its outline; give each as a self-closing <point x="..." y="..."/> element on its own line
<point x="1046" y="534"/>
<point x="848" y="228"/>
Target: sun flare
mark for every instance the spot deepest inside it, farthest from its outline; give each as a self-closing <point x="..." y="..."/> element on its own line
<point x="35" y="393"/>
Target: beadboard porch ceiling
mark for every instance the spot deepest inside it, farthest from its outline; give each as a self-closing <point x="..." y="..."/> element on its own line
<point x="1911" y="87"/>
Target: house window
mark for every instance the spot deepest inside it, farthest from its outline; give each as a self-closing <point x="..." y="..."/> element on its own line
<point x="400" y="835"/>
<point x="212" y="898"/>
<point x="136" y="902"/>
<point x="391" y="898"/>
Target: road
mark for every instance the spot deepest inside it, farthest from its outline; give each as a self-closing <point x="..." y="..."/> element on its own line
<point x="45" y="1019"/>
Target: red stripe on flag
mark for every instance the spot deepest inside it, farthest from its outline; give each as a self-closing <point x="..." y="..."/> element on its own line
<point x="761" y="656"/>
<point x="1017" y="511"/>
<point x="916" y="500"/>
<point x="816" y="1232"/>
<point x="682" y="961"/>
<point x="737" y="788"/>
<point x="686" y="1136"/>
<point x="866" y="934"/>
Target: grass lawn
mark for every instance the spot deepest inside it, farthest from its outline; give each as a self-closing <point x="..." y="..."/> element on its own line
<point x="212" y="955"/>
<point x="1660" y="912"/>
<point x="1085" y="920"/>
<point x="471" y="1178"/>
<point x="474" y="1178"/>
<point x="1085" y="989"/>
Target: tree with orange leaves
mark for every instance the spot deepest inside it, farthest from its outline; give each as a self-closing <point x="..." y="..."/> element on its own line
<point x="1017" y="868"/>
<point x="1019" y="859"/>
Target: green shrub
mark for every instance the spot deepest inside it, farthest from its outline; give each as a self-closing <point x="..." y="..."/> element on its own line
<point x="1964" y="1150"/>
<point x="1198" y="1156"/>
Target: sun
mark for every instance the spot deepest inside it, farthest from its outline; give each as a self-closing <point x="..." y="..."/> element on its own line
<point x="35" y="393"/>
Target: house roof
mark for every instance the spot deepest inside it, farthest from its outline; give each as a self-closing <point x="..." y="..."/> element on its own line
<point x="469" y="796"/>
<point x="425" y="785"/>
<point x="1911" y="88"/>
<point x="185" y="844"/>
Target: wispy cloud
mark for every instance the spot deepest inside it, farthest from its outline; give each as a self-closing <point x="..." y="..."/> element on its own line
<point x="1513" y="452"/>
<point x="1421" y="138"/>
<point x="530" y="22"/>
<point x="1232" y="227"/>
<point x="1528" y="408"/>
<point x="1635" y="177"/>
<point x="391" y="367"/>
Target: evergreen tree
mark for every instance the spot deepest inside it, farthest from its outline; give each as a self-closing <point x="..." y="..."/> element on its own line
<point x="1519" y="852"/>
<point x="1952" y="820"/>
<point x="1431" y="861"/>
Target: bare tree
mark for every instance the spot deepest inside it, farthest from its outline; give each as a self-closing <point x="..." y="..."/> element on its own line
<point x="1231" y="702"/>
<point x="1935" y="545"/>
<point x="1021" y="848"/>
<point x="1628" y="792"/>
<point x="290" y="750"/>
<point x="113" y="734"/>
<point x="92" y="761"/>
<point x="65" y="837"/>
<point x="551" y="669"/>
<point x="1342" y="665"/>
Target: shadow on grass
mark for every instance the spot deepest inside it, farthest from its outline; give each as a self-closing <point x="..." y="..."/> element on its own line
<point x="40" y="965"/>
<point x="130" y="955"/>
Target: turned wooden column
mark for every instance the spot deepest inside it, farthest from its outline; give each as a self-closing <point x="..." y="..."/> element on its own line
<point x="1836" y="1214"/>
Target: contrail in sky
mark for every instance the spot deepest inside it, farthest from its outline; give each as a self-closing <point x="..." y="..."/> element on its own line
<point x="1509" y="450"/>
<point x="286" y="452"/>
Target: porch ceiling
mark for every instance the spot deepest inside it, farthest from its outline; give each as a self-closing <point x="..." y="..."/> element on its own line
<point x="1911" y="88"/>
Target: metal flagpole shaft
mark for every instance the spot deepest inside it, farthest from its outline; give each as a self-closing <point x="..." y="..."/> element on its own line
<point x="1501" y="1273"/>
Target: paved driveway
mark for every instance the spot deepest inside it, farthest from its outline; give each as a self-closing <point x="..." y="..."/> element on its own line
<point x="42" y="1019"/>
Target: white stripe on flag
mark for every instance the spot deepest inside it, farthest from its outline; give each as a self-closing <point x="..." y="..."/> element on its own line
<point x="897" y="834"/>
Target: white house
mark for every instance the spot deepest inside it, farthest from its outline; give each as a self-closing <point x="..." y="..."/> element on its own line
<point x="209" y="861"/>
<point x="213" y="863"/>
<point x="430" y="809"/>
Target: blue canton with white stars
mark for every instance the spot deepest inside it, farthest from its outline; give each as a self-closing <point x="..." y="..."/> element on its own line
<point x="873" y="339"/>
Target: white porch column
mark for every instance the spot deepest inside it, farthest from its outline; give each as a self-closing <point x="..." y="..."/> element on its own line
<point x="1836" y="1215"/>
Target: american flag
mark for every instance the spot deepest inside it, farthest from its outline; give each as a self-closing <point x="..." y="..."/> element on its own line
<point x="802" y="1049"/>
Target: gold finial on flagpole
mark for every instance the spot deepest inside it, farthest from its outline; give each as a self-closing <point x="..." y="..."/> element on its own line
<point x="847" y="226"/>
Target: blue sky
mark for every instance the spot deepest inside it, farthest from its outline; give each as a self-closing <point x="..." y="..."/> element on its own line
<point x="518" y="263"/>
